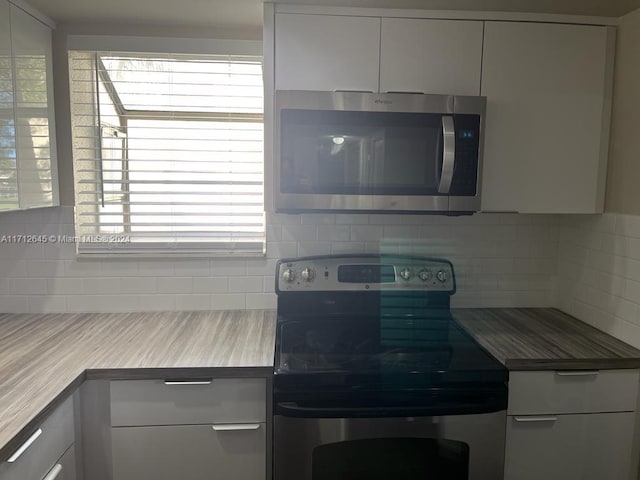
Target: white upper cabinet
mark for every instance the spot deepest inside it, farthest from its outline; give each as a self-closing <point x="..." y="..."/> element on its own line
<point x="27" y="135"/>
<point x="548" y="90"/>
<point x="8" y="165"/>
<point x="326" y="52"/>
<point x="33" y="95"/>
<point x="431" y="56"/>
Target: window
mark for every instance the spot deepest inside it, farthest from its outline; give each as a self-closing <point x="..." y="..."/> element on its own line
<point x="168" y="153"/>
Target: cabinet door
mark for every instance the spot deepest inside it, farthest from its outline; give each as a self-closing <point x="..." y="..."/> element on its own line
<point x="8" y="165"/>
<point x="326" y="52"/>
<point x="189" y="452"/>
<point x="569" y="447"/>
<point x="548" y="106"/>
<point x="431" y="56"/>
<point x="65" y="468"/>
<point x="35" y="138"/>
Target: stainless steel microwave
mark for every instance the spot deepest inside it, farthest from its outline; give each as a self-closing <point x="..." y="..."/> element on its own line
<point x="392" y="152"/>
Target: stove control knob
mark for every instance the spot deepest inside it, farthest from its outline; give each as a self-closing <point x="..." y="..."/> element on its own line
<point x="308" y="274"/>
<point x="405" y="273"/>
<point x="442" y="276"/>
<point x="289" y="275"/>
<point x="425" y="275"/>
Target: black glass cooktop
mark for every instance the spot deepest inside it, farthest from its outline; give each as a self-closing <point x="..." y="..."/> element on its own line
<point x="434" y="350"/>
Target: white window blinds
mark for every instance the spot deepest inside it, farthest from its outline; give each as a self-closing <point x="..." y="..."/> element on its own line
<point x="168" y="153"/>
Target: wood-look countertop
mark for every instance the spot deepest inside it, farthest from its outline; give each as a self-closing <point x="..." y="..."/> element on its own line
<point x="544" y="339"/>
<point x="44" y="357"/>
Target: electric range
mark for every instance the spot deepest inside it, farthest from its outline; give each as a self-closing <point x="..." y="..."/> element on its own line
<point x="367" y="351"/>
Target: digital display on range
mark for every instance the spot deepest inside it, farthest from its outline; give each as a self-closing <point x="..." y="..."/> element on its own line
<point x="366" y="274"/>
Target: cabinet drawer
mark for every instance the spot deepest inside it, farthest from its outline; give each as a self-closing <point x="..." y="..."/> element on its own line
<point x="569" y="447"/>
<point x="55" y="437"/>
<point x="64" y="468"/>
<point x="532" y="393"/>
<point x="194" y="452"/>
<point x="156" y="402"/>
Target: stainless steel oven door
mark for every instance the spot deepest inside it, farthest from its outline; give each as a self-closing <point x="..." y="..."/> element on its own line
<point x="467" y="446"/>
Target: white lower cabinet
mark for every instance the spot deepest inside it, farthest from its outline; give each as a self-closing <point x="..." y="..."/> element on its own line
<point x="189" y="452"/>
<point x="189" y="430"/>
<point x="569" y="447"/>
<point x="571" y="425"/>
<point x="48" y="452"/>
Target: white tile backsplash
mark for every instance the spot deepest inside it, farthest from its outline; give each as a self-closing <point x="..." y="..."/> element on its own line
<point x="599" y="274"/>
<point x="501" y="260"/>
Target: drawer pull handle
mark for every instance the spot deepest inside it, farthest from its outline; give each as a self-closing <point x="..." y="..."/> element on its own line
<point x="53" y="474"/>
<point x="578" y="373"/>
<point x="188" y="382"/>
<point x="231" y="427"/>
<point x="24" y="446"/>
<point x="535" y="419"/>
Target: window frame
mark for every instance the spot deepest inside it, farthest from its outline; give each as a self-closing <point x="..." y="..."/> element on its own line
<point x="160" y="46"/>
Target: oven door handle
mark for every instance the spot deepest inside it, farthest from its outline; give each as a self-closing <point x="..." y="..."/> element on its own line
<point x="292" y="409"/>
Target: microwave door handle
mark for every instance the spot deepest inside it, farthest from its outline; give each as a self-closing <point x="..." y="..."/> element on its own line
<point x="448" y="154"/>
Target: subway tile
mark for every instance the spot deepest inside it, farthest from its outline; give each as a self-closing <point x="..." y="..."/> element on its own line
<point x="193" y="302"/>
<point x="307" y="249"/>
<point x="157" y="303"/>
<point x="382" y="219"/>
<point x="186" y="267"/>
<point x="44" y="268"/>
<point x="147" y="267"/>
<point x="137" y="285"/>
<point x="102" y="285"/>
<point x="318" y="219"/>
<point x="46" y="304"/>
<point x="299" y="233"/>
<point x="128" y="267"/>
<point x="352" y="219"/>
<point x="66" y="286"/>
<point x="268" y="284"/>
<point x="245" y="284"/>
<point x="338" y="248"/>
<point x="333" y="233"/>
<point x="212" y="284"/>
<point x="175" y="285"/>
<point x="228" y="301"/>
<point x="27" y="286"/>
<point x="281" y="250"/>
<point x="283" y="219"/>
<point x="366" y="233"/>
<point x="260" y="301"/>
<point x="228" y="268"/>
<point x="628" y="226"/>
<point x="262" y="266"/>
<point x="273" y="233"/>
<point x="83" y="268"/>
<point x="13" y="303"/>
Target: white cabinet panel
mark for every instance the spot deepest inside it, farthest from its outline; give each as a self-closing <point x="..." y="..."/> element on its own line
<point x="431" y="56"/>
<point x="152" y="402"/>
<point x="569" y="447"/>
<point x="189" y="452"/>
<point x="546" y="140"/>
<point x="532" y="393"/>
<point x="326" y="52"/>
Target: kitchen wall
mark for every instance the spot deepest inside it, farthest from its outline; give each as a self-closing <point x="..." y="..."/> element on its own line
<point x="599" y="272"/>
<point x="501" y="260"/>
